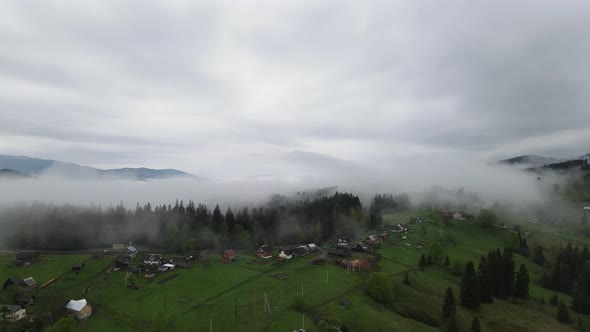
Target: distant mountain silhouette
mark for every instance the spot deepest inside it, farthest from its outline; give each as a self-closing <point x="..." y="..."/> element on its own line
<point x="28" y="166"/>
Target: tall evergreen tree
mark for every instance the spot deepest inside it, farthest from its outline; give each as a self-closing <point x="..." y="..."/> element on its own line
<point x="484" y="275"/>
<point x="449" y="307"/>
<point x="470" y="293"/>
<point x="217" y="219"/>
<point x="521" y="286"/>
<point x="406" y="279"/>
<point x="453" y="325"/>
<point x="562" y="314"/>
<point x="475" y="327"/>
<point x="447" y="262"/>
<point x="422" y="262"/>
<point x="509" y="268"/>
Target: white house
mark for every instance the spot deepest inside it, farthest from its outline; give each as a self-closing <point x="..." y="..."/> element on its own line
<point x="81" y="309"/>
<point x="15" y="312"/>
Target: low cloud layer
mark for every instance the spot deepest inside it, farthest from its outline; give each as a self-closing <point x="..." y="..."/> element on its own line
<point x="227" y="89"/>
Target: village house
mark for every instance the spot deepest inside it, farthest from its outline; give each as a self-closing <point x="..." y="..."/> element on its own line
<point x="265" y="251"/>
<point x="338" y="253"/>
<point x="166" y="267"/>
<point x="283" y="255"/>
<point x="127" y="256"/>
<point x="25" y="299"/>
<point x="80" y="309"/>
<point x="459" y="215"/>
<point x="14" y="312"/>
<point x="12" y="281"/>
<point x="360" y="247"/>
<point x="118" y="246"/>
<point x="153" y="259"/>
<point x="312" y="247"/>
<point x="343" y="242"/>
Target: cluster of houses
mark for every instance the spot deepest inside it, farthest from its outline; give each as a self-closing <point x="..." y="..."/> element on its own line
<point x="25" y="258"/>
<point x="286" y="252"/>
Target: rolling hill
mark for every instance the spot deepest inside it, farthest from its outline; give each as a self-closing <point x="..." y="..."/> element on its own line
<point x="27" y="166"/>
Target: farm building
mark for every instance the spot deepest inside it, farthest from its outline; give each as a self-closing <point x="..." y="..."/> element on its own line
<point x="229" y="255"/>
<point x="343" y="242"/>
<point x="264" y="251"/>
<point x="14" y="313"/>
<point x="459" y="215"/>
<point x="360" y="247"/>
<point x="25" y="299"/>
<point x="153" y="259"/>
<point x="77" y="267"/>
<point x="80" y="309"/>
<point x="282" y="255"/>
<point x="127" y="256"/>
<point x="29" y="283"/>
<point x="312" y="247"/>
<point x="27" y="255"/>
<point x="12" y="281"/>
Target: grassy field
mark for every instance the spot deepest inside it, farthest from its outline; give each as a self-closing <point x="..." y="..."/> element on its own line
<point x="231" y="296"/>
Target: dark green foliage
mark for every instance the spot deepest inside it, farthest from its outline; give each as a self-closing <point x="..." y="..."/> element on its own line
<point x="429" y="260"/>
<point x="486" y="218"/>
<point x="406" y="279"/>
<point x="521" y="286"/>
<point x="470" y="292"/>
<point x="485" y="275"/>
<point x="538" y="256"/>
<point x="554" y="300"/>
<point x="422" y="263"/>
<point x="453" y="326"/>
<point x="509" y="268"/>
<point x="449" y="307"/>
<point x="379" y="287"/>
<point x="300" y="305"/>
<point x="584" y="219"/>
<point x="416" y="314"/>
<point x="563" y="315"/>
<point x="475" y="326"/>
<point x="447" y="262"/>
<point x="568" y="265"/>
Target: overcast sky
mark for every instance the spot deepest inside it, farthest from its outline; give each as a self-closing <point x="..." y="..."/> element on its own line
<point x="292" y="88"/>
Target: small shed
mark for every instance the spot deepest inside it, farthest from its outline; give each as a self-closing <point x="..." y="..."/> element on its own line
<point x="77" y="267"/>
<point x="229" y="255"/>
<point x="80" y="308"/>
<point x="312" y="247"/>
<point x="29" y="283"/>
<point x="25" y="299"/>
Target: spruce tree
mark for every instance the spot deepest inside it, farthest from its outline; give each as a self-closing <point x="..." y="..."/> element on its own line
<point x="429" y="260"/>
<point x="521" y="286"/>
<point x="554" y="300"/>
<point x="485" y="281"/>
<point x="422" y="262"/>
<point x="447" y="262"/>
<point x="562" y="314"/>
<point x="475" y="327"/>
<point x="449" y="304"/>
<point x="470" y="293"/>
<point x="406" y="279"/>
<point x="509" y="268"/>
<point x="453" y="326"/>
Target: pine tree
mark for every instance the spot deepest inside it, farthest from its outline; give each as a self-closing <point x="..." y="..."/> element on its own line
<point x="406" y="279"/>
<point x="475" y="327"/>
<point x="470" y="293"/>
<point x="453" y="326"/>
<point x="422" y="262"/>
<point x="429" y="260"/>
<point x="521" y="286"/>
<point x="484" y="276"/>
<point x="447" y="262"/>
<point x="449" y="304"/>
<point x="563" y="315"/>
<point x="554" y="300"/>
<point x="509" y="268"/>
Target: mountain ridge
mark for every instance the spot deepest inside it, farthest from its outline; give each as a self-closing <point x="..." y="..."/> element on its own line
<point x="30" y="166"/>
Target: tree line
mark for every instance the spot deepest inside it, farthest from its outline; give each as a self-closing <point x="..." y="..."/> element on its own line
<point x="187" y="226"/>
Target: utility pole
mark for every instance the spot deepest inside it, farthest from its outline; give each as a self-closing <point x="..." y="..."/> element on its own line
<point x="303" y="322"/>
<point x="327" y="277"/>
